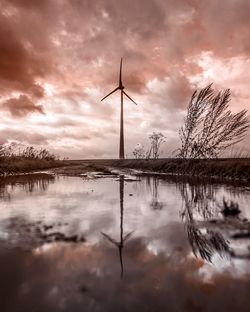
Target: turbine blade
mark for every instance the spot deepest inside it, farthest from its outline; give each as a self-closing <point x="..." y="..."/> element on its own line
<point x="110" y="239"/>
<point x="129" y="97"/>
<point x="110" y="93"/>
<point x="120" y="77"/>
<point x="127" y="236"/>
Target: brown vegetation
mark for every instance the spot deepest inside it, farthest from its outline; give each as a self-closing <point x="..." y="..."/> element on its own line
<point x="15" y="161"/>
<point x="210" y="127"/>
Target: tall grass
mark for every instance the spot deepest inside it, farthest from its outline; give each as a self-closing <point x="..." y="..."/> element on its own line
<point x="13" y="151"/>
<point x="16" y="159"/>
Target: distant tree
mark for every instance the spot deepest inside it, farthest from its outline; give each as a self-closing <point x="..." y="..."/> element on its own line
<point x="209" y="126"/>
<point x="156" y="140"/>
<point x="139" y="151"/>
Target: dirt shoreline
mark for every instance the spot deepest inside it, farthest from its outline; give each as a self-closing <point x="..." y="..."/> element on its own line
<point x="230" y="170"/>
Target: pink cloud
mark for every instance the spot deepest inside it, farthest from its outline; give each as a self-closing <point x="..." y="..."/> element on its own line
<point x="75" y="46"/>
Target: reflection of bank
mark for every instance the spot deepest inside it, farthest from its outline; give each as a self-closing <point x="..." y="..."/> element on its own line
<point x="29" y="183"/>
<point x="120" y="244"/>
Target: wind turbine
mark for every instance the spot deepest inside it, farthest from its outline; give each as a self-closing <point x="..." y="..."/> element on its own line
<point x="121" y="87"/>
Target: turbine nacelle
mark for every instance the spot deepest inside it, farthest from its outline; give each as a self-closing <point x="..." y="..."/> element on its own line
<point x="120" y="87"/>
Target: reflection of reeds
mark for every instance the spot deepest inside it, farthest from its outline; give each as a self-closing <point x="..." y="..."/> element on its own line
<point x="199" y="243"/>
<point x="230" y="209"/>
<point x="205" y="245"/>
<point x="200" y="197"/>
<point x="4" y="194"/>
<point x="219" y="243"/>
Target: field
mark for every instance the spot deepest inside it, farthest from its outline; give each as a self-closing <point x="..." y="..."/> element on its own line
<point x="15" y="165"/>
<point x="223" y="168"/>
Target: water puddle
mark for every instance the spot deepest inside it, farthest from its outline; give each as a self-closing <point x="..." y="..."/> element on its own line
<point x="117" y="242"/>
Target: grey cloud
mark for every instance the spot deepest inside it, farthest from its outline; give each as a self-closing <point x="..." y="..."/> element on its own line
<point x="22" y="136"/>
<point x="21" y="106"/>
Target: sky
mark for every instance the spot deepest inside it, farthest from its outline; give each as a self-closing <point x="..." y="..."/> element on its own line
<point x="58" y="58"/>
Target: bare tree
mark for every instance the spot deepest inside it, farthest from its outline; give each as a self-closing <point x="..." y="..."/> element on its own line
<point x="139" y="151"/>
<point x="210" y="127"/>
<point x="156" y="140"/>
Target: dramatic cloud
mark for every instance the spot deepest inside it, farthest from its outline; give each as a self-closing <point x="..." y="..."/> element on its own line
<point x="60" y="57"/>
<point x="21" y="106"/>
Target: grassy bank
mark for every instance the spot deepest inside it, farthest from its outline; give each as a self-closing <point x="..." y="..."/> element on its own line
<point x="17" y="165"/>
<point x="222" y="168"/>
<point x="238" y="169"/>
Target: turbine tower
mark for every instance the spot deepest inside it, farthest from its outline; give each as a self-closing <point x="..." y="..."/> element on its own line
<point x="121" y="88"/>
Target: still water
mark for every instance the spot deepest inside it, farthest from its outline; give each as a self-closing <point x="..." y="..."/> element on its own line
<point x="122" y="243"/>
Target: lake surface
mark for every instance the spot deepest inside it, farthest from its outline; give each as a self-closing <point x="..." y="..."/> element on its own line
<point x="122" y="243"/>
